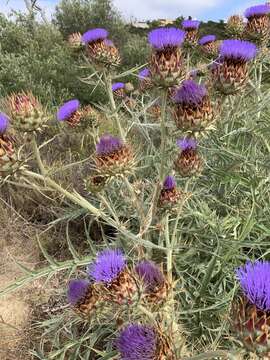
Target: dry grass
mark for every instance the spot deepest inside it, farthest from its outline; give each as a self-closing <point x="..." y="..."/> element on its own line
<point x="16" y="242"/>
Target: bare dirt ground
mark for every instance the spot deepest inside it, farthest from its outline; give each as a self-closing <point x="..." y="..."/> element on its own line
<point x="17" y="241"/>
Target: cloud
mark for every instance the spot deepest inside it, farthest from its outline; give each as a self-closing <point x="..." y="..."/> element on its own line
<point x="154" y="9"/>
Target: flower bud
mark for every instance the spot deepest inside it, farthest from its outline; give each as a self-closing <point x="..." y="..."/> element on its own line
<point x="189" y="162"/>
<point x="25" y="111"/>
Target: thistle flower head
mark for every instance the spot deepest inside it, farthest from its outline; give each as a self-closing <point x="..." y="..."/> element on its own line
<point x="169" y="183"/>
<point x="4" y="123"/>
<point x="187" y="144"/>
<point x="144" y="74"/>
<point x="207" y="39"/>
<point x="238" y="50"/>
<point x="108" y="265"/>
<point x="118" y="86"/>
<point x="190" y="93"/>
<point x="93" y="35"/>
<point x="257" y="11"/>
<point x="151" y="275"/>
<point x="137" y="342"/>
<point x="22" y="103"/>
<point x="163" y="38"/>
<point x="191" y="24"/>
<point x="68" y="109"/>
<point x="77" y="289"/>
<point x="254" y="279"/>
<point x="108" y="144"/>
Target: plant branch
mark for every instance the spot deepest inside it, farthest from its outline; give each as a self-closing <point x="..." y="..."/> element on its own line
<point x="108" y="84"/>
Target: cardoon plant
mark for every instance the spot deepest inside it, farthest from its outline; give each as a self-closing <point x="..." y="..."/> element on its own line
<point x="230" y="72"/>
<point x="191" y="28"/>
<point x="151" y="269"/>
<point x="111" y="272"/>
<point x="166" y="63"/>
<point x="258" y="23"/>
<point x="193" y="109"/>
<point x="99" y="48"/>
<point x="251" y="312"/>
<point x="209" y="45"/>
<point x="142" y="342"/>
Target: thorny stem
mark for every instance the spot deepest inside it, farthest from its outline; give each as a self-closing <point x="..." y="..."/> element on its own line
<point x="108" y="83"/>
<point x="211" y="355"/>
<point x="37" y="155"/>
<point x="134" y="198"/>
<point x="154" y="203"/>
<point x="82" y="202"/>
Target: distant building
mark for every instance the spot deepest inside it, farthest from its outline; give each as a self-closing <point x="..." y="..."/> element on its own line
<point x="165" y="22"/>
<point x="140" y="25"/>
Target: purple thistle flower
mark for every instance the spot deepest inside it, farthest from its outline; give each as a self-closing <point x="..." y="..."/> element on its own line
<point x="108" y="144"/>
<point x="238" y="50"/>
<point x="187" y="144"/>
<point x="258" y="10"/>
<point x="137" y="342"/>
<point x="77" y="289"/>
<point x="94" y="35"/>
<point x="169" y="183"/>
<point x="150" y="273"/>
<point x="207" y="39"/>
<point x="190" y="93"/>
<point x="118" y="86"/>
<point x="107" y="267"/>
<point x="163" y="38"/>
<point x="191" y="24"/>
<point x="4" y="123"/>
<point x="68" y="109"/>
<point x="144" y="74"/>
<point x="254" y="279"/>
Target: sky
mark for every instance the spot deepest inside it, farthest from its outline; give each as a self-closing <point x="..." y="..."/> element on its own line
<point x="156" y="9"/>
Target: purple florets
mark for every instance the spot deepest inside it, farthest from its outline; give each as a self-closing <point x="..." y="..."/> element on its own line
<point x="257" y="11"/>
<point x="107" y="267"/>
<point x="67" y="110"/>
<point x="237" y="50"/>
<point x="94" y="35"/>
<point x="191" y="24"/>
<point x="254" y="279"/>
<point x="151" y="275"/>
<point x="144" y="74"/>
<point x="4" y="123"/>
<point x="137" y="342"/>
<point x="190" y="93"/>
<point x="187" y="144"/>
<point x="77" y="289"/>
<point x="207" y="39"/>
<point x="163" y="38"/>
<point x="108" y="144"/>
<point x="118" y="86"/>
<point x="169" y="183"/>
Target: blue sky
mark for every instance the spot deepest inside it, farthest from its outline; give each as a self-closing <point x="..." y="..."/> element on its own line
<point x="153" y="9"/>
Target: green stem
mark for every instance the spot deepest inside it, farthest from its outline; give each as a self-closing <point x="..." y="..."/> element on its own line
<point x="83" y="203"/>
<point x="135" y="200"/>
<point x="154" y="203"/>
<point x="163" y="137"/>
<point x="108" y="83"/>
<point x="36" y="153"/>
